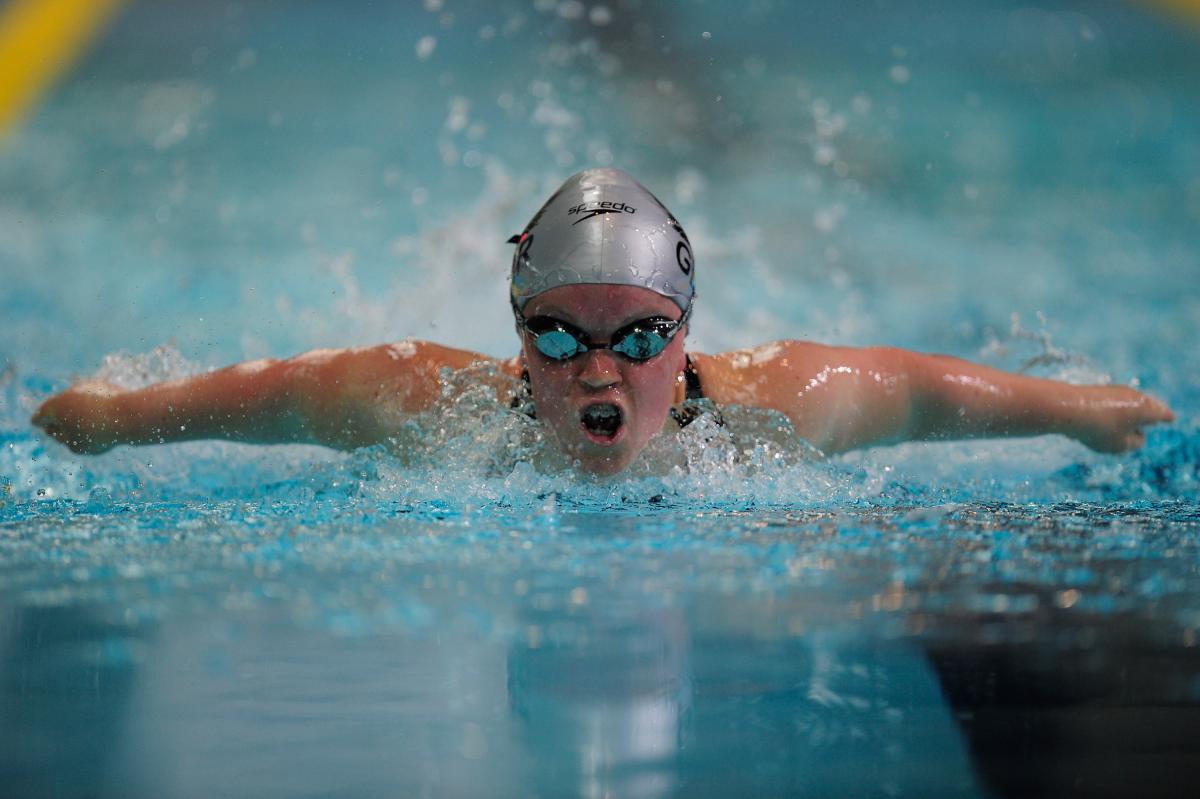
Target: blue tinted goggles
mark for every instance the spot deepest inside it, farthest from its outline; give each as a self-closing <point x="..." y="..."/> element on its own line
<point x="637" y="341"/>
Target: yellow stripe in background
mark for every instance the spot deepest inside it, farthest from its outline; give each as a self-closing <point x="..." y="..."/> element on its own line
<point x="39" y="39"/>
<point x="1190" y="8"/>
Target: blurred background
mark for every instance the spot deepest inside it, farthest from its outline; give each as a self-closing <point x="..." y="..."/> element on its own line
<point x="1015" y="183"/>
<point x="184" y="184"/>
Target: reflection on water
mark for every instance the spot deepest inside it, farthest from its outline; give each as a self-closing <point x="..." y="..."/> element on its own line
<point x="617" y="674"/>
<point x="351" y="649"/>
<point x="603" y="701"/>
<point x="66" y="679"/>
<point x="923" y="651"/>
<point x="667" y="702"/>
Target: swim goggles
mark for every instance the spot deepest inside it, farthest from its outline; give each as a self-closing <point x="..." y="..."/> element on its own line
<point x="637" y="341"/>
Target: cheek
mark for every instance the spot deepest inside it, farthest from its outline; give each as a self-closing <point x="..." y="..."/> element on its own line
<point x="551" y="386"/>
<point x="654" y="385"/>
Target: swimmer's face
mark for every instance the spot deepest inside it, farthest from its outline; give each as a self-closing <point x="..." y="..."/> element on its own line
<point x="601" y="407"/>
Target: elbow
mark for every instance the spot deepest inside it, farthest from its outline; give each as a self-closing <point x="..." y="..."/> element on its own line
<point x="316" y="402"/>
<point x="911" y="400"/>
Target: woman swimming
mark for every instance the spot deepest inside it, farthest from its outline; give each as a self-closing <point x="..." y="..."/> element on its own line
<point x="602" y="289"/>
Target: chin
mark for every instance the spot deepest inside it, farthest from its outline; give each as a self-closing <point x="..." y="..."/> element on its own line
<point x="602" y="463"/>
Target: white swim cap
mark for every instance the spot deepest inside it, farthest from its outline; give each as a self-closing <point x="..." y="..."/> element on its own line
<point x="602" y="226"/>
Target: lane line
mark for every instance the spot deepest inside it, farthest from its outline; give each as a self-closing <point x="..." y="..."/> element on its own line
<point x="39" y="40"/>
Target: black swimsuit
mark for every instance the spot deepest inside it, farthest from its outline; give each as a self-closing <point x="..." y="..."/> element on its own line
<point x="687" y="413"/>
<point x="683" y="415"/>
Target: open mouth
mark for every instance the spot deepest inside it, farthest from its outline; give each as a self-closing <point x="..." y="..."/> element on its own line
<point x="602" y="422"/>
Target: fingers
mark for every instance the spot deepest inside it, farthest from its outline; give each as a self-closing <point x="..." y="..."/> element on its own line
<point x="1158" y="411"/>
<point x="1149" y="411"/>
<point x="44" y="418"/>
<point x="74" y="418"/>
<point x="1134" y="441"/>
<point x="48" y="421"/>
<point x="1140" y="408"/>
<point x="1116" y="422"/>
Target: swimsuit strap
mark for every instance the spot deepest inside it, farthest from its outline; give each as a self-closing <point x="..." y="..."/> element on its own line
<point x="521" y="400"/>
<point x="692" y="378"/>
<point x="687" y="412"/>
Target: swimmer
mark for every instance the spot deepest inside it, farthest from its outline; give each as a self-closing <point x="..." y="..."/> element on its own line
<point x="603" y="284"/>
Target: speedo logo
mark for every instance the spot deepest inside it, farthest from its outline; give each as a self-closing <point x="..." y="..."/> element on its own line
<point x="588" y="210"/>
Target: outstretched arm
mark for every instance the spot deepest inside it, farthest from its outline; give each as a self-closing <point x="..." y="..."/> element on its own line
<point x="955" y="398"/>
<point x="338" y="398"/>
<point x="840" y="398"/>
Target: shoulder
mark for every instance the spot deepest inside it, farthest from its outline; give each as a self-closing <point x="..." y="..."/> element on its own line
<point x="403" y="355"/>
<point x="408" y="374"/>
<point x="429" y="353"/>
<point x="788" y="356"/>
<point x="776" y="372"/>
<point x="415" y="351"/>
<point x="741" y="376"/>
<point x="410" y="362"/>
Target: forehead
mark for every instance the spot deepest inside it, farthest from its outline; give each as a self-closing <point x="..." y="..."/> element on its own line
<point x="601" y="306"/>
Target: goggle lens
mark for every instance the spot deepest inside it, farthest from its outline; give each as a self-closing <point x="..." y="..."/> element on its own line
<point x="640" y="341"/>
<point x="558" y="345"/>
<point x="641" y="345"/>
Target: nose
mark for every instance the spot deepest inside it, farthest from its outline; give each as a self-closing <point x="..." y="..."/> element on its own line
<point x="600" y="370"/>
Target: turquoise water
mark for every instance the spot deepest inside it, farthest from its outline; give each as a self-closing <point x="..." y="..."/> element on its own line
<point x="1018" y="186"/>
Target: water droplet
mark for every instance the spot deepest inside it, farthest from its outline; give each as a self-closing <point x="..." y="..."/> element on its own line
<point x="425" y="47"/>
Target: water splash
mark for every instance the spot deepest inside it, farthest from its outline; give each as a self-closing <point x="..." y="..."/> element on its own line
<point x="472" y="452"/>
<point x="130" y="370"/>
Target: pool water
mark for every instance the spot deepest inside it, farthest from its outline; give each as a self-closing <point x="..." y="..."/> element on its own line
<point x="215" y="182"/>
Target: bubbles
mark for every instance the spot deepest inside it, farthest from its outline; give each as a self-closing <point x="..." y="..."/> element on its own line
<point x="570" y="9"/>
<point x="458" y="114"/>
<point x="826" y="220"/>
<point x="899" y="74"/>
<point x="425" y="47"/>
<point x="599" y="15"/>
<point x="170" y="111"/>
<point x="246" y="59"/>
<point x="690" y="183"/>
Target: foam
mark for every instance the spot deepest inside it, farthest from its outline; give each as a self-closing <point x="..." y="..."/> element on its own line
<point x="402" y="350"/>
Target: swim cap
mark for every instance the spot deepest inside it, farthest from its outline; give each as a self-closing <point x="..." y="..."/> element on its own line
<point x="602" y="226"/>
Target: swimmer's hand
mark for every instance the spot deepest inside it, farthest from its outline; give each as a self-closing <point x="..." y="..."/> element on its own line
<point x="81" y="417"/>
<point x="1112" y="418"/>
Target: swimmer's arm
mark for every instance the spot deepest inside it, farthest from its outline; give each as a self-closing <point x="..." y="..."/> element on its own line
<point x="841" y="398"/>
<point x="336" y="398"/>
<point x="953" y="398"/>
